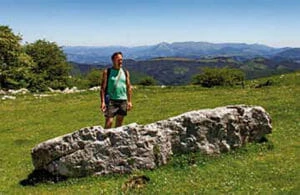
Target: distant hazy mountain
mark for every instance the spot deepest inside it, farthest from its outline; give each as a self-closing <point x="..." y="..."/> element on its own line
<point x="194" y="50"/>
<point x="291" y="54"/>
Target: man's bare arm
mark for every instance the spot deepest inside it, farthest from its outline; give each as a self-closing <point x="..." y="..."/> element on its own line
<point x="129" y="91"/>
<point x="102" y="90"/>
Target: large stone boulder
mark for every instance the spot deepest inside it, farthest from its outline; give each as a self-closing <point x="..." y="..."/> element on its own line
<point x="94" y="150"/>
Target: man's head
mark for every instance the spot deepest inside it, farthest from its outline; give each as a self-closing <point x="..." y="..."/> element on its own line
<point x="117" y="59"/>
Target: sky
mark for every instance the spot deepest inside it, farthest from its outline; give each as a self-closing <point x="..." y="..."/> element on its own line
<point x="130" y="23"/>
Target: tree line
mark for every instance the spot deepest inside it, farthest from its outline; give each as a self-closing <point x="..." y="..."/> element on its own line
<point x="34" y="66"/>
<point x="38" y="66"/>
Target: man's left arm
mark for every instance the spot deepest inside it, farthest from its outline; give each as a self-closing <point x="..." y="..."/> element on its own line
<point x="129" y="91"/>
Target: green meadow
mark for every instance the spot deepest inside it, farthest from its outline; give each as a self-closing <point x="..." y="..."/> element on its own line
<point x="270" y="167"/>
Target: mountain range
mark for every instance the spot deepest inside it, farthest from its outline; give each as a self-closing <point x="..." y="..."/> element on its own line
<point x="177" y="63"/>
<point x="193" y="50"/>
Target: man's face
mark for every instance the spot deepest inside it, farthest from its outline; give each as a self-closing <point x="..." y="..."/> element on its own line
<point x="118" y="60"/>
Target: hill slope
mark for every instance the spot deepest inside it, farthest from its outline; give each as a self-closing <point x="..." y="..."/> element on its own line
<point x="271" y="167"/>
<point x="179" y="71"/>
<point x="291" y="54"/>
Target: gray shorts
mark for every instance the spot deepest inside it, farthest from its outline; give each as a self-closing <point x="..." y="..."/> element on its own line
<point x="116" y="107"/>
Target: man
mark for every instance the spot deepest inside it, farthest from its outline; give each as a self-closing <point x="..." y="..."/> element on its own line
<point x="115" y="83"/>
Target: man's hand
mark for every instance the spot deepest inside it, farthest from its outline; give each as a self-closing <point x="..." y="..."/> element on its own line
<point x="129" y="106"/>
<point x="103" y="107"/>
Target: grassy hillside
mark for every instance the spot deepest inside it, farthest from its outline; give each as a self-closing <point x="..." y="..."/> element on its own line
<point x="272" y="167"/>
<point x="180" y="71"/>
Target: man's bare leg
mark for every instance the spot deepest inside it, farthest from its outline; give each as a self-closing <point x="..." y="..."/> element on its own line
<point x="108" y="122"/>
<point x="119" y="120"/>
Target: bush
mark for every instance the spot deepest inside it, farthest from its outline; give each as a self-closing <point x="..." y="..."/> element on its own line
<point x="147" y="81"/>
<point x="51" y="66"/>
<point x="57" y="84"/>
<point x="219" y="77"/>
<point x="37" y="84"/>
<point x="79" y="82"/>
<point x="94" y="77"/>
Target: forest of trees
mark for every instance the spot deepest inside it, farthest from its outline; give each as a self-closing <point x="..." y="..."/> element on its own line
<point x="35" y="66"/>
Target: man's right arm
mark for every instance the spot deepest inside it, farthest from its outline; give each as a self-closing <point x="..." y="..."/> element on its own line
<point x="102" y="90"/>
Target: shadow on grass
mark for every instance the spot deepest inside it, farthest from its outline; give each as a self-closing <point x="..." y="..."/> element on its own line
<point x="41" y="176"/>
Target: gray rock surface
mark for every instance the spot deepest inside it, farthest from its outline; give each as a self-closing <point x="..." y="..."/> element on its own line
<point x="94" y="150"/>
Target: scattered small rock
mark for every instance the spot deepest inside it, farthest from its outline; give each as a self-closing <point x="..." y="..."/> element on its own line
<point x="42" y="95"/>
<point x="8" y="97"/>
<point x="2" y="92"/>
<point x="66" y="90"/>
<point x="54" y="90"/>
<point x="19" y="91"/>
<point x="96" y="88"/>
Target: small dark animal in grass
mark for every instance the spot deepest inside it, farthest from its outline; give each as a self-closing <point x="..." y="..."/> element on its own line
<point x="267" y="83"/>
<point x="135" y="182"/>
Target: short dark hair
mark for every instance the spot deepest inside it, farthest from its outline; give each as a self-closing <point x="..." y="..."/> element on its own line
<point x="116" y="53"/>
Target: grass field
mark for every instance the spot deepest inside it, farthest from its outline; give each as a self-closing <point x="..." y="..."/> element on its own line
<point x="272" y="167"/>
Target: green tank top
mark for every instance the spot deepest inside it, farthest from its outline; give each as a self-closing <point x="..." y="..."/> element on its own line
<point x="117" y="89"/>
